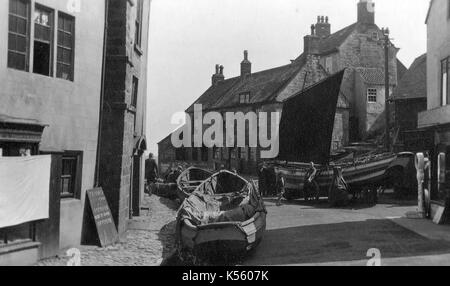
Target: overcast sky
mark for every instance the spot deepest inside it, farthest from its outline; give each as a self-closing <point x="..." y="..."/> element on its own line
<point x="188" y="37"/>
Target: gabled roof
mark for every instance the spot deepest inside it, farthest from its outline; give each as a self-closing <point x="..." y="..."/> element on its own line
<point x="263" y="87"/>
<point x="401" y="70"/>
<point x="414" y="82"/>
<point x="335" y="40"/>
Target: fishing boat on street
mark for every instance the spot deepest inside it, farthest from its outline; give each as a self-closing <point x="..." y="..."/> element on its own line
<point x="224" y="218"/>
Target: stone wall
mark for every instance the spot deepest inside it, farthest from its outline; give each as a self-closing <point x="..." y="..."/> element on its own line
<point x="122" y="122"/>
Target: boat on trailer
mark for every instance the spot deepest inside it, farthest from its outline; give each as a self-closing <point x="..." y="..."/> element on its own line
<point x="224" y="218"/>
<point x="305" y="136"/>
<point x="369" y="170"/>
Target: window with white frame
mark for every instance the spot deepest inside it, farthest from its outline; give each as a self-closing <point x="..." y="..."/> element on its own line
<point x="139" y="18"/>
<point x="43" y="41"/>
<point x="40" y="21"/>
<point x="445" y="83"/>
<point x="372" y="95"/>
<point x="66" y="43"/>
<point x="18" y="34"/>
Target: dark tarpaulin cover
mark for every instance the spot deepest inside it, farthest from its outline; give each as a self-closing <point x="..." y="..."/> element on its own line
<point x="307" y="122"/>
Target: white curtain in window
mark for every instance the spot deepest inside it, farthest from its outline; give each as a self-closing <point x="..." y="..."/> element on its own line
<point x="24" y="189"/>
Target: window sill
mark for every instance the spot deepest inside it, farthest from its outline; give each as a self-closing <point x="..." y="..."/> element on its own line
<point x="19" y="246"/>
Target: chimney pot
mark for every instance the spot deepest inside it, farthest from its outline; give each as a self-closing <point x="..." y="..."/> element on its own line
<point x="246" y="65"/>
<point x="218" y="76"/>
<point x="366" y="12"/>
<point x="323" y="27"/>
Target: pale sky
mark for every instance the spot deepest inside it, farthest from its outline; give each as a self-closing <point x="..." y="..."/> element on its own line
<point x="189" y="37"/>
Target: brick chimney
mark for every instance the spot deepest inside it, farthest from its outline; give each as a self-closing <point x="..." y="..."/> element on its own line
<point x="311" y="42"/>
<point x="366" y="12"/>
<point x="218" y="76"/>
<point x="322" y="27"/>
<point x="246" y="66"/>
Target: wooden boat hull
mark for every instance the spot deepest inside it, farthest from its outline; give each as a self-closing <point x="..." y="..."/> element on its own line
<point x="356" y="175"/>
<point x="222" y="220"/>
<point x="224" y="239"/>
<point x="189" y="180"/>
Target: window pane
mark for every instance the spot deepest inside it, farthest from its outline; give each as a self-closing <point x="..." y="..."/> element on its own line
<point x="12" y="23"/>
<point x="65" y="188"/>
<point x="67" y="25"/>
<point x="22" y="8"/>
<point x="12" y="42"/>
<point x="21" y="44"/>
<point x="16" y="61"/>
<point x="13" y="6"/>
<point x="42" y="17"/>
<point x="67" y="40"/>
<point x="68" y="166"/>
<point x="21" y="26"/>
<point x="448" y="80"/>
<point x="65" y="47"/>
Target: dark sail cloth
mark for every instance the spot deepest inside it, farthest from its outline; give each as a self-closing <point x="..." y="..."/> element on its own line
<point x="339" y="190"/>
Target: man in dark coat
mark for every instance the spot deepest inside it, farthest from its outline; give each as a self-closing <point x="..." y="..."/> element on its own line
<point x="151" y="170"/>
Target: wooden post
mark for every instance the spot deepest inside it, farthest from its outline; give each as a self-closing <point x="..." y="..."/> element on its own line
<point x="386" y="86"/>
<point x="420" y="167"/>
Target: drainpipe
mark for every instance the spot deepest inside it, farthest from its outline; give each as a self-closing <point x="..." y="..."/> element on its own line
<point x="102" y="98"/>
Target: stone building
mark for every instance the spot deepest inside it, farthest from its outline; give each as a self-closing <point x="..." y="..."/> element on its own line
<point x="410" y="98"/>
<point x="123" y="123"/>
<point x="51" y="69"/>
<point x="358" y="48"/>
<point x="436" y="119"/>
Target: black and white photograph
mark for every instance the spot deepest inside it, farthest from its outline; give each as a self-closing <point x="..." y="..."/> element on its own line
<point x="224" y="133"/>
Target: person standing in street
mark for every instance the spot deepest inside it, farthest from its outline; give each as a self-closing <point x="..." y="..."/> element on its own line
<point x="151" y="170"/>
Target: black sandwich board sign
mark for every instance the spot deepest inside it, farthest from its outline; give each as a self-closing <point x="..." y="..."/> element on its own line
<point x="101" y="213"/>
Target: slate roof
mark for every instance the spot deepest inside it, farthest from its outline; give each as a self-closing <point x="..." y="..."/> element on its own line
<point x="263" y="87"/>
<point x="372" y="75"/>
<point x="414" y="82"/>
<point x="332" y="42"/>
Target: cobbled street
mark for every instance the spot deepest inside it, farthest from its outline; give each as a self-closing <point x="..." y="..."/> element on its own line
<point x="298" y="233"/>
<point x="150" y="240"/>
